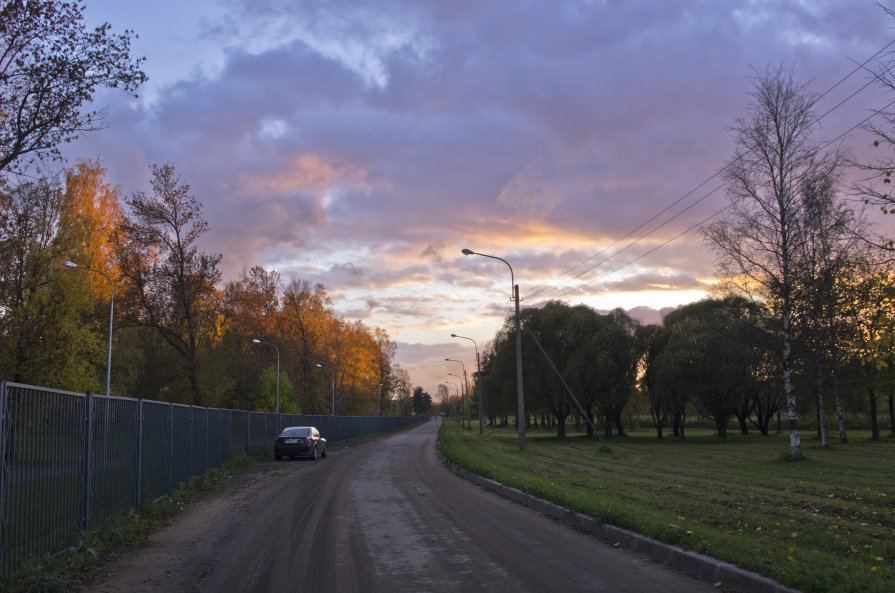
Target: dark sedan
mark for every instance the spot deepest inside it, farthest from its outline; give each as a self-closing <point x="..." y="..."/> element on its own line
<point x="299" y="441"/>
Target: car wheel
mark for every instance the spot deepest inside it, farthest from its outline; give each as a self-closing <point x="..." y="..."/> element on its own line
<point x="278" y="457"/>
<point x="314" y="453"/>
<point x="324" y="451"/>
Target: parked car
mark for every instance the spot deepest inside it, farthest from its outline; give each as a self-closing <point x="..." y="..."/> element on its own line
<point x="299" y="441"/>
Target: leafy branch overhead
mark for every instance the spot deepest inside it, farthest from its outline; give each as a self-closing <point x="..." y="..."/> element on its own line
<point x="51" y="66"/>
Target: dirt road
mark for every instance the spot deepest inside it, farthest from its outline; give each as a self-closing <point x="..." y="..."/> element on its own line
<point x="385" y="515"/>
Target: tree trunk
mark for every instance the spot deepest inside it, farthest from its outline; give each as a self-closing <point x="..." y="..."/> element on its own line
<point x="561" y="428"/>
<point x="721" y="425"/>
<point x="619" y="426"/>
<point x="840" y="417"/>
<point x="874" y="421"/>
<point x="892" y="410"/>
<point x="792" y="418"/>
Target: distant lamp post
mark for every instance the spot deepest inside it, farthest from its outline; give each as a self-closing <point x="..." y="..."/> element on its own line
<point x="257" y="341"/>
<point x="478" y="372"/>
<point x="332" y="386"/>
<point x="457" y="389"/>
<point x="520" y="398"/>
<point x="72" y="264"/>
<point x="465" y="389"/>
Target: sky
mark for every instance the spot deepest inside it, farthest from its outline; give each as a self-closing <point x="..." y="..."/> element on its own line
<point x="363" y="144"/>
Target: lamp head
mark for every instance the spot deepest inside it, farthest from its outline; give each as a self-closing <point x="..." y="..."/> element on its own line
<point x="71" y="264"/>
<point x="467" y="252"/>
<point x="256" y="340"/>
<point x="453" y="335"/>
<point x="320" y="365"/>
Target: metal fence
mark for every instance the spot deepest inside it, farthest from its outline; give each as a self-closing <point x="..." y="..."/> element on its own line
<point x="71" y="460"/>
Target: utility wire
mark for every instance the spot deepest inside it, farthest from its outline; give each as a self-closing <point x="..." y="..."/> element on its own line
<point x="825" y="145"/>
<point x="859" y="67"/>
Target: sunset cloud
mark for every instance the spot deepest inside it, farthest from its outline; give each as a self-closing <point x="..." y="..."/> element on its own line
<point x="362" y="145"/>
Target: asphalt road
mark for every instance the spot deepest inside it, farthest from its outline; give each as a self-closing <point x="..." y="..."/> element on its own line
<point x="382" y="516"/>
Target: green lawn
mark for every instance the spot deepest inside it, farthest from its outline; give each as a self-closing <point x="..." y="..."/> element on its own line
<point x="822" y="525"/>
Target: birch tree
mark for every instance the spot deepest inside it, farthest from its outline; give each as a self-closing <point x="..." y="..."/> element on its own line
<point x="759" y="241"/>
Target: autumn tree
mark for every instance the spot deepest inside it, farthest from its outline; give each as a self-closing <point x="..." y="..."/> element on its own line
<point x="871" y="313"/>
<point x="169" y="284"/>
<point x="51" y="65"/>
<point x="385" y="357"/>
<point x="306" y="320"/>
<point x="42" y="337"/>
<point x="759" y="240"/>
<point x="829" y="242"/>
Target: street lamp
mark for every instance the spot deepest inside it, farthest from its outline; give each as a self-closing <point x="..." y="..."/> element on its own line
<point x="257" y="341"/>
<point x="72" y="264"/>
<point x="478" y="369"/>
<point x="466" y="389"/>
<point x="108" y="412"/>
<point x="457" y="388"/>
<point x="520" y="398"/>
<point x="333" y="386"/>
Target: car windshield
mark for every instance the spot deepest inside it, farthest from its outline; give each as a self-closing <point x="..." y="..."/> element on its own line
<point x="300" y="431"/>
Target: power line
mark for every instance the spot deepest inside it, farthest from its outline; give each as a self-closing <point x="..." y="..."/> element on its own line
<point x="823" y="146"/>
<point x="859" y="67"/>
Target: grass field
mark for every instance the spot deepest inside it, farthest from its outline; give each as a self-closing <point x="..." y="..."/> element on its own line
<point x="825" y="524"/>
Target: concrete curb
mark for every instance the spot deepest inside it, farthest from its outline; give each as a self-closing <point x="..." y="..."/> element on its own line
<point x="687" y="561"/>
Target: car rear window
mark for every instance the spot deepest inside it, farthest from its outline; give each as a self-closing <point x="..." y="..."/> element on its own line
<point x="296" y="432"/>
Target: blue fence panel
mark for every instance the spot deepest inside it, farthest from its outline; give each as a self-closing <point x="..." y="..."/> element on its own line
<point x="115" y="457"/>
<point x="43" y="459"/>
<point x="258" y="444"/>
<point x="155" y="463"/>
<point x="239" y="433"/>
<point x="181" y="444"/>
<point x="200" y="441"/>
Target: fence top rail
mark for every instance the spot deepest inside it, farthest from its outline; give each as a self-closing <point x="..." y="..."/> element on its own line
<point x="7" y="385"/>
<point x="11" y="385"/>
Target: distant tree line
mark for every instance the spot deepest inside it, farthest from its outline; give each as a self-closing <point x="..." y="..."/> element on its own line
<point x="180" y="334"/>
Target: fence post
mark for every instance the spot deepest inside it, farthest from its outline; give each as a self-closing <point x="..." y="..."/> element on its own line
<point x="192" y="427"/>
<point x="139" y="484"/>
<point x="5" y="433"/>
<point x="171" y="449"/>
<point x="87" y="462"/>
<point x="248" y="430"/>
<point x="207" y="441"/>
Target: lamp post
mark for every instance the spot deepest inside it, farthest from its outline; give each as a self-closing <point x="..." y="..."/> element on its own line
<point x="520" y="398"/>
<point x="465" y="389"/>
<point x="457" y="388"/>
<point x="478" y="371"/>
<point x="72" y="264"/>
<point x="257" y="341"/>
<point x="106" y="416"/>
<point x="332" y="386"/>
